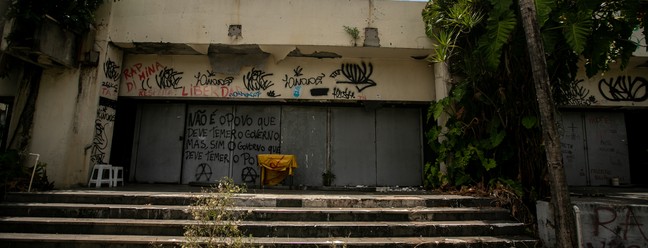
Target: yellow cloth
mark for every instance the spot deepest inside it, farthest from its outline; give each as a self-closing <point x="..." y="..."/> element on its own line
<point x="276" y="167"/>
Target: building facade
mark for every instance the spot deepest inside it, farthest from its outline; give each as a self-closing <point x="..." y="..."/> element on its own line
<point x="191" y="91"/>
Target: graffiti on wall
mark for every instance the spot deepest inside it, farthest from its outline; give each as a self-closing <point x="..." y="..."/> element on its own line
<point x="110" y="86"/>
<point x="257" y="80"/>
<point x="100" y="140"/>
<point x="616" y="226"/>
<point x="358" y="75"/>
<point x="624" y="88"/>
<point x="157" y="79"/>
<point x="223" y="139"/>
<point x="106" y="110"/>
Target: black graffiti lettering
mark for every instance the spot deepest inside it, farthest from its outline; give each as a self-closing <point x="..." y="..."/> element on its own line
<point x="298" y="80"/>
<point x="343" y="94"/>
<point x="298" y="71"/>
<point x="99" y="143"/>
<point x="358" y="75"/>
<point x="196" y="132"/>
<point x="335" y="73"/>
<point x="242" y="146"/>
<point x="241" y="120"/>
<point x="216" y="144"/>
<point x="223" y="133"/>
<point x="213" y="117"/>
<point x="262" y="134"/>
<point x="145" y="84"/>
<point x="624" y="88"/>
<point x="247" y="159"/>
<point x="168" y="78"/>
<point x="103" y="114"/>
<point x="256" y="80"/>
<point x="266" y="121"/>
<point x="217" y="157"/>
<point x="274" y="149"/>
<point x="272" y="94"/>
<point x="197" y="118"/>
<point x="195" y="155"/>
<point x="291" y="82"/>
<point x="111" y="70"/>
<point x="196" y="144"/>
<point x="209" y="79"/>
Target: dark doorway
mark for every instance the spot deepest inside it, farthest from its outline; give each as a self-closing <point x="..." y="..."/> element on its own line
<point x="636" y="124"/>
<point x="122" y="142"/>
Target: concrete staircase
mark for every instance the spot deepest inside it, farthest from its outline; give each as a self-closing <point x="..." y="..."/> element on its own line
<point x="298" y="219"/>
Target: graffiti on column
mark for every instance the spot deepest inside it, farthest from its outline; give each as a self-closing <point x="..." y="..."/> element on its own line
<point x="109" y="86"/>
<point x="105" y="116"/>
<point x="624" y="88"/>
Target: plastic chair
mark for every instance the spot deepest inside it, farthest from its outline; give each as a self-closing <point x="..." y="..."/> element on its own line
<point x="117" y="175"/>
<point x="97" y="176"/>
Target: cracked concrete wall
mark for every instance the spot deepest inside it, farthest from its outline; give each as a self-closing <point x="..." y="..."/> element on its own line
<point x="75" y="111"/>
<point x="278" y="22"/>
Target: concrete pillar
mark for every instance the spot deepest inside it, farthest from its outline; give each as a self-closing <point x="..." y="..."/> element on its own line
<point x="441" y="85"/>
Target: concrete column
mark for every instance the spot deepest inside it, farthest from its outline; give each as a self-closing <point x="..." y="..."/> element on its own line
<point x="441" y="86"/>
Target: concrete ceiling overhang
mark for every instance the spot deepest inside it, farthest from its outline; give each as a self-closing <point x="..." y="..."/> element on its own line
<point x="279" y="52"/>
<point x="229" y="59"/>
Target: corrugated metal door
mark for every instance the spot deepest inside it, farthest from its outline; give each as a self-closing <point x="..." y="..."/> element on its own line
<point x="208" y="134"/>
<point x="398" y="147"/>
<point x="303" y="133"/>
<point x="353" y="146"/>
<point x="572" y="138"/>
<point x="159" y="143"/>
<point x="594" y="148"/>
<point x="607" y="148"/>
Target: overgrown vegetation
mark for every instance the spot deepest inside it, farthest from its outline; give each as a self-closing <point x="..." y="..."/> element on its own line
<point x="217" y="223"/>
<point x="353" y="32"/>
<point x="15" y="175"/>
<point x="74" y="15"/>
<point x="492" y="138"/>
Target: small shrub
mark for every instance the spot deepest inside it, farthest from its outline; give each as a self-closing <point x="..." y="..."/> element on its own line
<point x="14" y="177"/>
<point x="217" y="224"/>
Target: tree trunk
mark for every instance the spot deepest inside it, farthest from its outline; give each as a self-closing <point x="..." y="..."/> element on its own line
<point x="563" y="214"/>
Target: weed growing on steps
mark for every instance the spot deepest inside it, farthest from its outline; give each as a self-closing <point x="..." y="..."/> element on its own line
<point x="217" y="225"/>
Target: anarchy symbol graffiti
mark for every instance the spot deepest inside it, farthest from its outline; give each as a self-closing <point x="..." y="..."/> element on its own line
<point x="203" y="170"/>
<point x="249" y="175"/>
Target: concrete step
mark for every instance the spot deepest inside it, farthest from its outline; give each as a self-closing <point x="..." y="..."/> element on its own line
<point x="19" y="240"/>
<point x="108" y="218"/>
<point x="319" y="229"/>
<point x="253" y="199"/>
<point x="73" y="210"/>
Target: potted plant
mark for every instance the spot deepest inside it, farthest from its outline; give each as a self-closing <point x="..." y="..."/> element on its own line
<point x="327" y="178"/>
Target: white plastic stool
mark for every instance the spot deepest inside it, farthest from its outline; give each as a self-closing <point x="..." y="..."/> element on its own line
<point x="117" y="175"/>
<point x="97" y="176"/>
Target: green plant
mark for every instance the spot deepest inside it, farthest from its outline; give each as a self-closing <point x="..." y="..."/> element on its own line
<point x="14" y="177"/>
<point x="353" y="32"/>
<point x="327" y="178"/>
<point x="74" y="15"/>
<point x="217" y="223"/>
